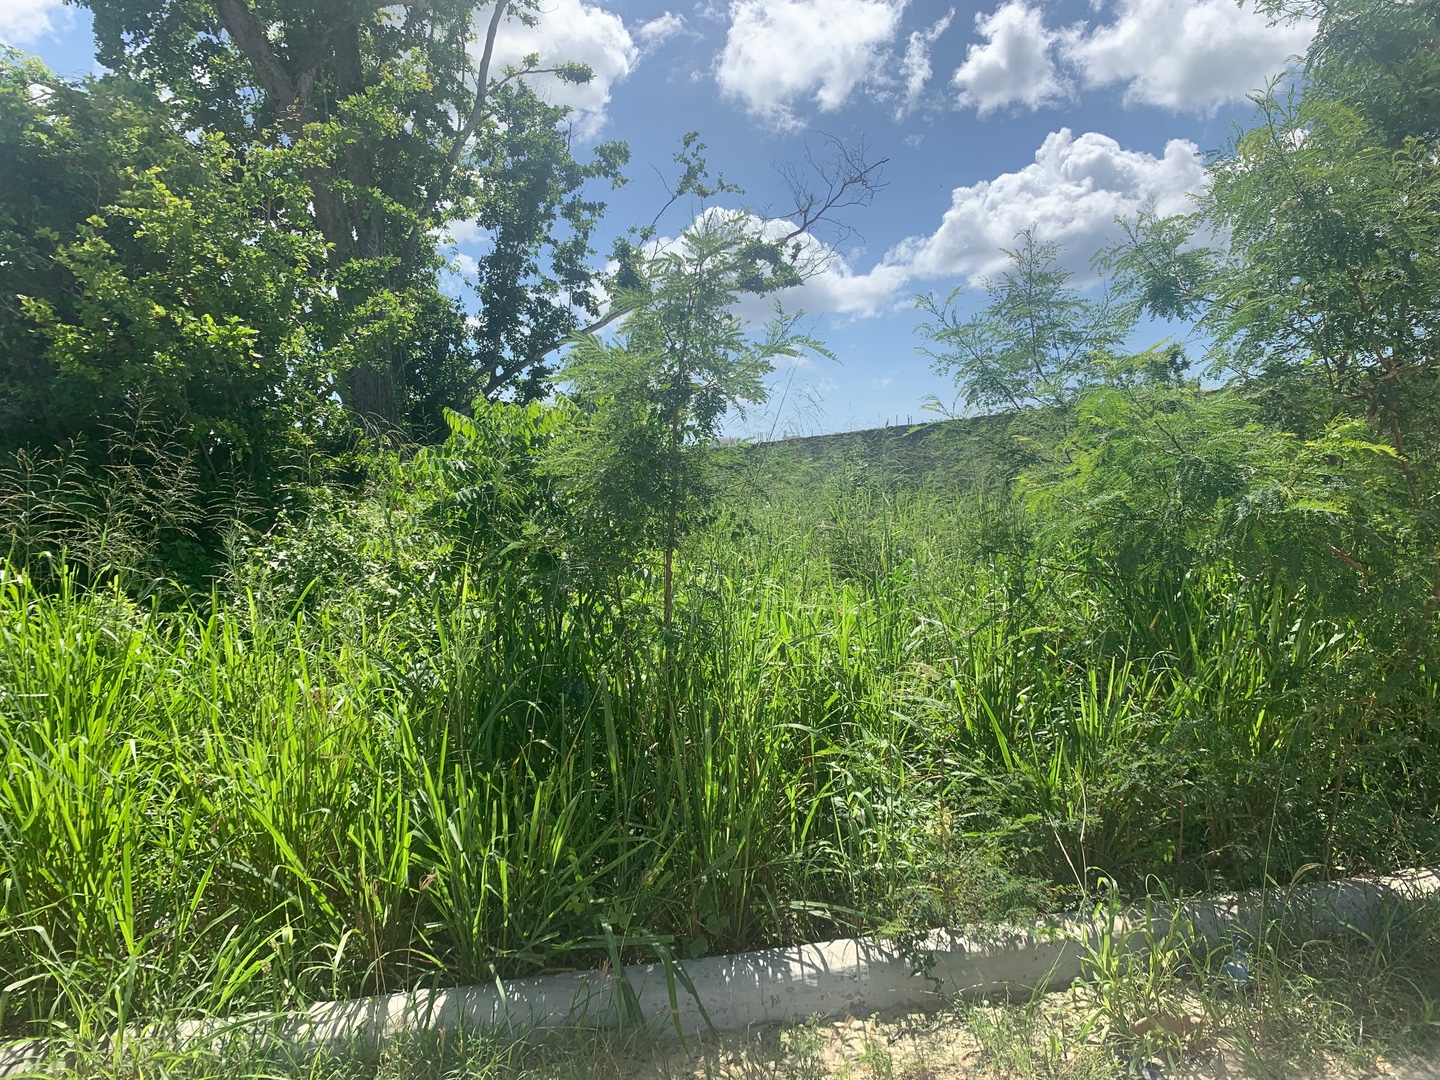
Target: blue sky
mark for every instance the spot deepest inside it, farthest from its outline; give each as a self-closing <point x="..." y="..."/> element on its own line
<point x="1058" y="114"/>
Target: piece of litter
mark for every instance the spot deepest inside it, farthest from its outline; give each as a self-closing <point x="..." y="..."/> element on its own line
<point x="1237" y="968"/>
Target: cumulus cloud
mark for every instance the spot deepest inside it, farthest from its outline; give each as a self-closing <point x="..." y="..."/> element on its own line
<point x="1186" y="55"/>
<point x="832" y="284"/>
<point x="1071" y="193"/>
<point x="1015" y="65"/>
<point x="573" y="30"/>
<point x="839" y="289"/>
<point x="23" y="21"/>
<point x="915" y="67"/>
<point x="1183" y="55"/>
<point x="779" y="54"/>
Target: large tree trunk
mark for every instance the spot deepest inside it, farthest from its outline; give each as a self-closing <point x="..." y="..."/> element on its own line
<point x="352" y="228"/>
<point x="372" y="392"/>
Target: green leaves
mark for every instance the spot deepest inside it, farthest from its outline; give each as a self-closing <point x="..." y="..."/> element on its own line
<point x="157" y="277"/>
<point x="651" y="403"/>
<point x="1331" y="260"/>
<point x="1037" y="342"/>
<point x="1313" y="266"/>
<point x="401" y="126"/>
<point x="534" y="283"/>
<point x="1334" y="245"/>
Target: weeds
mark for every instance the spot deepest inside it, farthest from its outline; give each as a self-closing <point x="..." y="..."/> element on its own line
<point x="416" y="769"/>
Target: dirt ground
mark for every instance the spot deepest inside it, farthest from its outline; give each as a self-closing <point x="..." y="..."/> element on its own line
<point x="983" y="1042"/>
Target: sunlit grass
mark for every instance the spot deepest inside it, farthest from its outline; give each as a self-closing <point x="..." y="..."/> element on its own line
<point x="249" y="802"/>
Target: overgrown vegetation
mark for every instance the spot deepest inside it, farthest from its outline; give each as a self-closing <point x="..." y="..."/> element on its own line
<point x="289" y="710"/>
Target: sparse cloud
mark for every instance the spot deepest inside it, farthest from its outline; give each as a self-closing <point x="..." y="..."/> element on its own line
<point x="659" y="30"/>
<point x="915" y="68"/>
<point x="454" y="279"/>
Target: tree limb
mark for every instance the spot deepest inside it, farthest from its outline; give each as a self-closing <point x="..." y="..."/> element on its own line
<point x="843" y="179"/>
<point x="249" y="35"/>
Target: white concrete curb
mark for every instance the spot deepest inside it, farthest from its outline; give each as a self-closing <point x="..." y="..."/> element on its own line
<point x="833" y="978"/>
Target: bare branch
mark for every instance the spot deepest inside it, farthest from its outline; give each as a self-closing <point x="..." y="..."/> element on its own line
<point x="842" y="178"/>
<point x="482" y="82"/>
<point x="820" y="188"/>
<point x="463" y="136"/>
<point x="484" y="88"/>
<point x="616" y="311"/>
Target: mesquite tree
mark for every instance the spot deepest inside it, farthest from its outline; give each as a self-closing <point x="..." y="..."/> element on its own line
<point x="1036" y="342"/>
<point x="652" y="402"/>
<point x="1321" y="301"/>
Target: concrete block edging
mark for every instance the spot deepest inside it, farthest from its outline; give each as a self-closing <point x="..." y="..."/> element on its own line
<point x="851" y="976"/>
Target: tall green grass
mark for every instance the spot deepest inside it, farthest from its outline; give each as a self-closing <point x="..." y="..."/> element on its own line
<point x="861" y="723"/>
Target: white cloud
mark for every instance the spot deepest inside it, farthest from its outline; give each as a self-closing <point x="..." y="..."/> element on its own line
<point x="832" y="286"/>
<point x="840" y="290"/>
<point x="23" y="21"/>
<point x="659" y="29"/>
<point x="1071" y="193"/>
<point x="915" y="65"/>
<point x="455" y="278"/>
<point x="1183" y="55"/>
<point x="880" y="384"/>
<point x="468" y="231"/>
<point x="779" y="54"/>
<point x="572" y="31"/>
<point x="1186" y="55"/>
<point x="1015" y="64"/>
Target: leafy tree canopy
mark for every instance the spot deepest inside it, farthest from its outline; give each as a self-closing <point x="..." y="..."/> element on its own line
<point x="151" y="273"/>
<point x="403" y="126"/>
